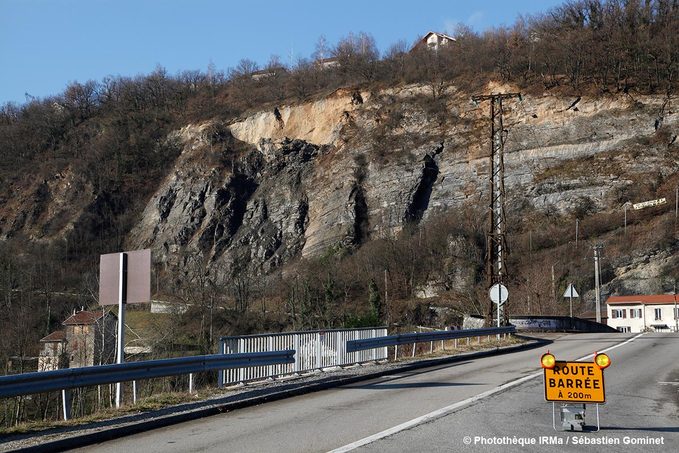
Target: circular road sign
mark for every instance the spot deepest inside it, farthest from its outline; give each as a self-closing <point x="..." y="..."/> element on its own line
<point x="498" y="293"/>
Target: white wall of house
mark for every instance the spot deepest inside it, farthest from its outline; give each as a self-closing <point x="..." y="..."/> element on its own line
<point x="434" y="41"/>
<point x="642" y="317"/>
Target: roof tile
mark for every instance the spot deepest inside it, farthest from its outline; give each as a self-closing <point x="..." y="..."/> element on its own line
<point x="84" y="317"/>
<point x="644" y="300"/>
<point x="58" y="335"/>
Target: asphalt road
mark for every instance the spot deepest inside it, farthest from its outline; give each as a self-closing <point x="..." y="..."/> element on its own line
<point x="435" y="409"/>
<point x="641" y="413"/>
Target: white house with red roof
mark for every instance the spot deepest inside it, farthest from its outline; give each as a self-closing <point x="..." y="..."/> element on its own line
<point x="658" y="312"/>
<point x="433" y="41"/>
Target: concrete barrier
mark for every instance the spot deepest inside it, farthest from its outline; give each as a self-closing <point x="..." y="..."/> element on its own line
<point x="544" y="324"/>
<point x="557" y="323"/>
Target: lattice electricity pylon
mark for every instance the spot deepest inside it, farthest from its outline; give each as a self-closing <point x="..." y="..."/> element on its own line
<point x="496" y="241"/>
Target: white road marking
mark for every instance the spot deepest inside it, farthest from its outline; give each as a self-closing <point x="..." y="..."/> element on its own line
<point x="611" y="348"/>
<point x="453" y="407"/>
<point x="668" y="383"/>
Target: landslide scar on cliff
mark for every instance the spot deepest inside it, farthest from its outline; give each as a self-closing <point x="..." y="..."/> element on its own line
<point x="231" y="202"/>
<point x="420" y="199"/>
<point x="361" y="226"/>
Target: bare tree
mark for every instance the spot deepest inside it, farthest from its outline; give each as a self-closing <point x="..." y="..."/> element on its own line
<point x="357" y="56"/>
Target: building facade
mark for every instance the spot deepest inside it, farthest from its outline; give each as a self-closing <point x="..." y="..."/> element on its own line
<point x="658" y="313"/>
<point x="433" y="41"/>
<point x="53" y="354"/>
<point x="90" y="337"/>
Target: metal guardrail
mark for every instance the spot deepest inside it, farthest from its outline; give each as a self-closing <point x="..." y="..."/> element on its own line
<point x="314" y="350"/>
<point x="47" y="381"/>
<point x="423" y="337"/>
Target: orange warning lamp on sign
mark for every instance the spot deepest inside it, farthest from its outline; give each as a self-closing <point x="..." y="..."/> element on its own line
<point x="602" y="360"/>
<point x="548" y="360"/>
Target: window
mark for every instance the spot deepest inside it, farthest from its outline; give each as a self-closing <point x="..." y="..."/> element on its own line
<point x="658" y="314"/>
<point x="618" y="313"/>
<point x="626" y="329"/>
<point x="676" y="313"/>
<point x="635" y="313"/>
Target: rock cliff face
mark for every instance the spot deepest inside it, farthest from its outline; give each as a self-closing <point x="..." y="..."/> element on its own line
<point x="298" y="180"/>
<point x="356" y="166"/>
<point x="240" y="211"/>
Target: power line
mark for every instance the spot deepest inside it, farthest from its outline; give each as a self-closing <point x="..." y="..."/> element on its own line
<point x="496" y="249"/>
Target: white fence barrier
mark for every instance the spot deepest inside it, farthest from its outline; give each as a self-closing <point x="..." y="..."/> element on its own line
<point x="313" y="350"/>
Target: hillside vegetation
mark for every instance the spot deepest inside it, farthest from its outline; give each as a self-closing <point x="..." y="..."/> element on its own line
<point x="240" y="229"/>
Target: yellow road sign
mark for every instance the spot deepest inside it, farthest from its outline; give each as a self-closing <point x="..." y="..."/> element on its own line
<point x="575" y="382"/>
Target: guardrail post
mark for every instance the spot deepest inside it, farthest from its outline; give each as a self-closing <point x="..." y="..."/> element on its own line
<point x="134" y="392"/>
<point x="431" y="347"/>
<point x="271" y="370"/>
<point x="341" y="348"/>
<point x="241" y="370"/>
<point x="336" y="345"/>
<point x="386" y="349"/>
<point x="190" y="383"/>
<point x="373" y="352"/>
<point x="395" y="352"/>
<point x="414" y="346"/>
<point x="66" y="404"/>
<point x="220" y="373"/>
<point x="318" y="350"/>
<point x="298" y="355"/>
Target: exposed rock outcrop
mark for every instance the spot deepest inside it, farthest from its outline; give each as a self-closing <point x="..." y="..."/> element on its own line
<point x="311" y="180"/>
<point x="296" y="180"/>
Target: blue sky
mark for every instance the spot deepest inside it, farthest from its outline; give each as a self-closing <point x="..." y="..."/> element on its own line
<point x="45" y="44"/>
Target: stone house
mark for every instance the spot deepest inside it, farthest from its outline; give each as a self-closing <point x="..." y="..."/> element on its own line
<point x="53" y="354"/>
<point x="90" y="338"/>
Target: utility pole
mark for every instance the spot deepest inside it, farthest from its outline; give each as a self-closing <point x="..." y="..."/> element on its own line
<point x="386" y="298"/>
<point x="676" y="314"/>
<point x="496" y="243"/>
<point x="597" y="287"/>
<point x="553" y="286"/>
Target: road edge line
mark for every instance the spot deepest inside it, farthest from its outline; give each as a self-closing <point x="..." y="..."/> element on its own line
<point x="433" y="415"/>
